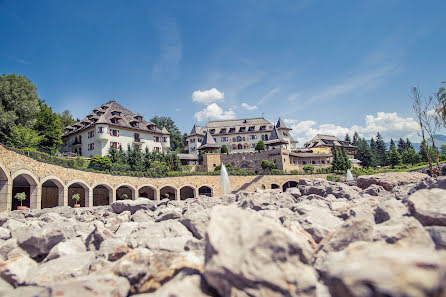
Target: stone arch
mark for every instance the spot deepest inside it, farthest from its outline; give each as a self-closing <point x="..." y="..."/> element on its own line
<point x="147" y="191"/>
<point x="125" y="189"/>
<point x="187" y="191"/>
<point x="275" y="186"/>
<point x="102" y="194"/>
<point x="206" y="190"/>
<point x="25" y="181"/>
<point x="80" y="187"/>
<point x="52" y="192"/>
<point x="289" y="184"/>
<point x="168" y="191"/>
<point x="5" y="189"/>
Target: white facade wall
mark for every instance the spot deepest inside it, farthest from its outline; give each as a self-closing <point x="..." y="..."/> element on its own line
<point x="102" y="141"/>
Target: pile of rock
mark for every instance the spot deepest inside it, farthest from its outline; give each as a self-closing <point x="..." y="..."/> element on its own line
<point x="383" y="236"/>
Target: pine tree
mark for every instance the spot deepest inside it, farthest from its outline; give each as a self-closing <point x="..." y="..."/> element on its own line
<point x="402" y="146"/>
<point x="335" y="164"/>
<point x="394" y="156"/>
<point x="380" y="151"/>
<point x="423" y="152"/>
<point x="347" y="138"/>
<point x="49" y="127"/>
<point x="356" y="139"/>
<point x="346" y="163"/>
<point x="364" y="153"/>
<point x="408" y="144"/>
<point x="409" y="156"/>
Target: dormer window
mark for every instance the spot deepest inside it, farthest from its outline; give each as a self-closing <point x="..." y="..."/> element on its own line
<point x="116" y="113"/>
<point x="151" y="127"/>
<point x="223" y="130"/>
<point x="212" y="131"/>
<point x="114" y="121"/>
<point x="252" y="128"/>
<point x="134" y="124"/>
<point x="104" y="107"/>
<point x="138" y="118"/>
<point x="231" y="130"/>
<point x="242" y="129"/>
<point x="100" y="113"/>
<point x="262" y="128"/>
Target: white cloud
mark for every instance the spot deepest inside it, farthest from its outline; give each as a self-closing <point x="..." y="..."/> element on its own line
<point x="268" y="95"/>
<point x="207" y="96"/>
<point x="177" y="109"/>
<point x="389" y="125"/>
<point x="214" y="112"/>
<point x="249" y="107"/>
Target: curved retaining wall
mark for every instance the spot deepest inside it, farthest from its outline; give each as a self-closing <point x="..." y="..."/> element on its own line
<point x="36" y="173"/>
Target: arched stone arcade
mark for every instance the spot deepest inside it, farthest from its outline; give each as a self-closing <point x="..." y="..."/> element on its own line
<point x="168" y="192"/>
<point x="205" y="191"/>
<point x="5" y="189"/>
<point x="147" y="191"/>
<point x="289" y="184"/>
<point x="187" y="192"/>
<point x="52" y="192"/>
<point x="125" y="189"/>
<point x="83" y="190"/>
<point x="24" y="181"/>
<point x="102" y="195"/>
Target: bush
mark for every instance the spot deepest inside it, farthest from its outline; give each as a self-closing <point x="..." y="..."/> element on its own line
<point x="100" y="163"/>
<point x="334" y="178"/>
<point x="277" y="172"/>
<point x="308" y="169"/>
<point x="79" y="163"/>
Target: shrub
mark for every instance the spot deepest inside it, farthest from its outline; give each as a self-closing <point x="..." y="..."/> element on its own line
<point x="308" y="169"/>
<point x="100" y="163"/>
<point x="20" y="197"/>
<point x="76" y="197"/>
<point x="124" y="196"/>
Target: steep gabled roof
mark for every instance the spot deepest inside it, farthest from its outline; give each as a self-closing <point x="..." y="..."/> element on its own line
<point x="275" y="138"/>
<point x="326" y="140"/>
<point x="195" y="130"/>
<point x="281" y="125"/>
<point x="208" y="142"/>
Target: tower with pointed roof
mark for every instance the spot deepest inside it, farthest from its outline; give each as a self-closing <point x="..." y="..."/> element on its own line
<point x="112" y="125"/>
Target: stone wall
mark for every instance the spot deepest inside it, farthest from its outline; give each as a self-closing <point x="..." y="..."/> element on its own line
<point x="68" y="181"/>
<point x="253" y="160"/>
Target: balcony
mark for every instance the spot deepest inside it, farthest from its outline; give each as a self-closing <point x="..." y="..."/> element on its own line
<point x="137" y="140"/>
<point x="77" y="143"/>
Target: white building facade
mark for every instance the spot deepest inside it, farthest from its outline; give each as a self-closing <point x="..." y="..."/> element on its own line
<point x="113" y="125"/>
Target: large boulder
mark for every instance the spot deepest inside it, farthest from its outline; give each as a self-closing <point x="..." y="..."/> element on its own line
<point x="390" y="180"/>
<point x="438" y="234"/>
<point x="113" y="249"/>
<point x="319" y="222"/>
<point x="428" y="206"/>
<point x="133" y="205"/>
<point x="248" y="255"/>
<point x="17" y="269"/>
<point x="196" y="222"/>
<point x="389" y="209"/>
<point x="378" y="269"/>
<point x="69" y="247"/>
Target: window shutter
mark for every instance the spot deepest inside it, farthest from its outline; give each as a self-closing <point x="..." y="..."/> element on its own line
<point x="118" y="133"/>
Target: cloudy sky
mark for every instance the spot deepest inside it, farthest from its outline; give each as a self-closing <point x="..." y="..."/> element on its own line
<point x="331" y="67"/>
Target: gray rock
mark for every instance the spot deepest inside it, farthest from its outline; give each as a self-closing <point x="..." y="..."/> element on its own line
<point x="133" y="205"/>
<point x="374" y="190"/>
<point x="69" y="247"/>
<point x="295" y="192"/>
<point x="113" y="249"/>
<point x="143" y="215"/>
<point x="377" y="269"/>
<point x="38" y="242"/>
<point x="5" y="234"/>
<point x="404" y="232"/>
<point x="93" y="285"/>
<point x="99" y="234"/>
<point x="61" y="268"/>
<point x="196" y="222"/>
<point x="16" y="270"/>
<point x="27" y="291"/>
<point x="389" y="209"/>
<point x="390" y="180"/>
<point x="438" y="235"/>
<point x="262" y="261"/>
<point x="319" y="223"/>
<point x="428" y="206"/>
<point x="168" y="214"/>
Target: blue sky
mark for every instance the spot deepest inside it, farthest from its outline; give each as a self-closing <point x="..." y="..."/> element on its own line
<point x="323" y="66"/>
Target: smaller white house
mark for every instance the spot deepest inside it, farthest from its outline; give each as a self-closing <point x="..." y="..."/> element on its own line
<point x="113" y="125"/>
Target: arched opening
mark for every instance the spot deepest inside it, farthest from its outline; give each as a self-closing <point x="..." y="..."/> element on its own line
<point x="4" y="183"/>
<point x="187" y="192"/>
<point x="24" y="183"/>
<point x="275" y="186"/>
<point x="244" y="166"/>
<point x="240" y="147"/>
<point x="147" y="192"/>
<point x="289" y="184"/>
<point x="125" y="192"/>
<point x="52" y="194"/>
<point x="82" y="190"/>
<point x="205" y="191"/>
<point x="168" y="192"/>
<point x="102" y="195"/>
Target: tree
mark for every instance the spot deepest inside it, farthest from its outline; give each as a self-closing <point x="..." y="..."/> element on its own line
<point x="267" y="165"/>
<point x="24" y="137"/>
<point x="443" y="148"/>
<point x="260" y="146"/>
<point x="380" y="151"/>
<point x="441" y="99"/>
<point x="176" y="139"/>
<point x="224" y="149"/>
<point x="100" y="163"/>
<point x="19" y="103"/>
<point x="409" y="156"/>
<point x="408" y="144"/>
<point x="49" y="127"/>
<point x="346" y="163"/>
<point x="364" y="153"/>
<point x="394" y="156"/>
<point x="347" y="138"/>
<point x="134" y="159"/>
<point x="66" y="119"/>
<point x="402" y="146"/>
<point x="336" y="164"/>
<point x="356" y="139"/>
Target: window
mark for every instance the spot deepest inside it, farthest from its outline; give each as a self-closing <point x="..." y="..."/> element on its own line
<point x="240" y="147"/>
<point x="116" y="145"/>
<point x="266" y="137"/>
<point x="262" y="128"/>
<point x="91" y="146"/>
<point x="263" y="137"/>
<point x="151" y="127"/>
<point x="253" y="145"/>
<point x="251" y="128"/>
<point x="136" y="137"/>
<point x="116" y="113"/>
<point x="231" y="130"/>
<point x="242" y="129"/>
<point x="223" y="130"/>
<point x="215" y="139"/>
<point x="164" y="139"/>
<point x="100" y="130"/>
<point x="157" y="149"/>
<point x="234" y="139"/>
<point x="245" y="146"/>
<point x="239" y="138"/>
<point x="91" y="134"/>
<point x="134" y="124"/>
<point x="223" y="139"/>
<point x="252" y="137"/>
<point x="157" y="139"/>
<point x="212" y="131"/>
<point x="285" y="134"/>
<point x="114" y="121"/>
<point x="114" y="132"/>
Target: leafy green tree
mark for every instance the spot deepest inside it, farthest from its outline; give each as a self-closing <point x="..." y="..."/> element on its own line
<point x="380" y="151"/>
<point x="172" y="161"/>
<point x="49" y="127"/>
<point x="176" y="138"/>
<point x="19" y="104"/>
<point x="423" y="152"/>
<point x="100" y="163"/>
<point x="224" y="149"/>
<point x="22" y="137"/>
<point x="394" y="156"/>
<point x="260" y="146"/>
<point x="66" y="119"/>
<point x="267" y="165"/>
<point x="158" y="168"/>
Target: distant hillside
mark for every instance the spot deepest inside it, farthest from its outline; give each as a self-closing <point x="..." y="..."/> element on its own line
<point x="439" y="140"/>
